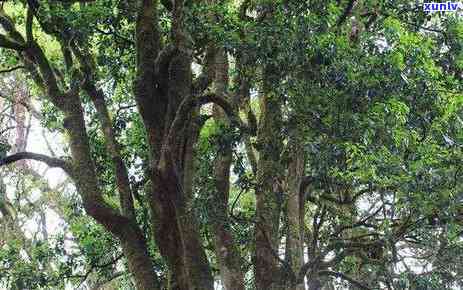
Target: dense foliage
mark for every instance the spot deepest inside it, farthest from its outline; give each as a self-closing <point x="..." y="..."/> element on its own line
<point x="234" y="145"/>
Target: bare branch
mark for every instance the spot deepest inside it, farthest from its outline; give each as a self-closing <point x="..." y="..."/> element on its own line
<point x="344" y="277"/>
<point x="50" y="161"/>
<point x="11" y="69"/>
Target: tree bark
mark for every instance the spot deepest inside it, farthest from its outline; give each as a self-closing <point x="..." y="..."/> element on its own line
<point x="170" y="163"/>
<point x="83" y="167"/>
<point x="268" y="189"/>
<point x="294" y="235"/>
<point x="132" y="239"/>
<point x="225" y="247"/>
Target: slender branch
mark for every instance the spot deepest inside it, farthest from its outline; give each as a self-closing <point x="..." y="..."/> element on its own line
<point x="7" y="129"/>
<point x="112" y="145"/>
<point x="112" y="32"/>
<point x="232" y="209"/>
<point x="362" y="222"/>
<point x="94" y="267"/>
<point x="190" y="103"/>
<point x="344" y="277"/>
<point x="50" y="161"/>
<point x="11" y="69"/>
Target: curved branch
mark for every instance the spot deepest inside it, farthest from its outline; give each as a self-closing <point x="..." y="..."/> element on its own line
<point x="190" y="103"/>
<point x="305" y="182"/>
<point x="50" y="161"/>
<point x="11" y="69"/>
<point x="344" y="277"/>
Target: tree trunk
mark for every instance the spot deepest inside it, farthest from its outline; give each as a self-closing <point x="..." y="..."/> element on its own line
<point x="294" y="238"/>
<point x="195" y="261"/>
<point x="225" y="248"/>
<point x="175" y="228"/>
<point x="84" y="172"/>
<point x="132" y="239"/>
<point x="268" y="190"/>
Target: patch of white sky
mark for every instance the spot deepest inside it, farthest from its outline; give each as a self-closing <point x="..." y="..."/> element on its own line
<point x="44" y="142"/>
<point x="40" y="141"/>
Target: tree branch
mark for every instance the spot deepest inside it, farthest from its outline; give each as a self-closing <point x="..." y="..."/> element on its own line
<point x="305" y="182"/>
<point x="190" y="103"/>
<point x="94" y="267"/>
<point x="112" y="32"/>
<point x="8" y="25"/>
<point x="11" y="69"/>
<point x="29" y="22"/>
<point x="5" y="42"/>
<point x="202" y="82"/>
<point x="344" y="277"/>
<point x="50" y="161"/>
<point x="347" y="11"/>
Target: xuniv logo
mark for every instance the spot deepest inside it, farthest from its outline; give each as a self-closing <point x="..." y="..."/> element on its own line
<point x="442" y="6"/>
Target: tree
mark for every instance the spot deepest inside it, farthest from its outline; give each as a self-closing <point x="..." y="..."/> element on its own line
<point x="330" y="151"/>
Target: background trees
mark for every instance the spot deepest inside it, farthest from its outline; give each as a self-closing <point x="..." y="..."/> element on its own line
<point x="255" y="144"/>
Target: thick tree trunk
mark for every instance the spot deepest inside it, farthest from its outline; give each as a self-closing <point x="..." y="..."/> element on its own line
<point x="268" y="189"/>
<point x="225" y="248"/>
<point x="167" y="237"/>
<point x="84" y="172"/>
<point x="196" y="265"/>
<point x="294" y="235"/>
<point x="113" y="147"/>
<point x="132" y="239"/>
<point x="139" y="261"/>
<point x="153" y="105"/>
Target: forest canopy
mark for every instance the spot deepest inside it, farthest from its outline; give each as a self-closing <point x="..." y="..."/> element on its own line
<point x="234" y="144"/>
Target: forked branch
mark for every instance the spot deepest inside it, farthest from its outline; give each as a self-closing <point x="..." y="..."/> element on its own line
<point x="190" y="103"/>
